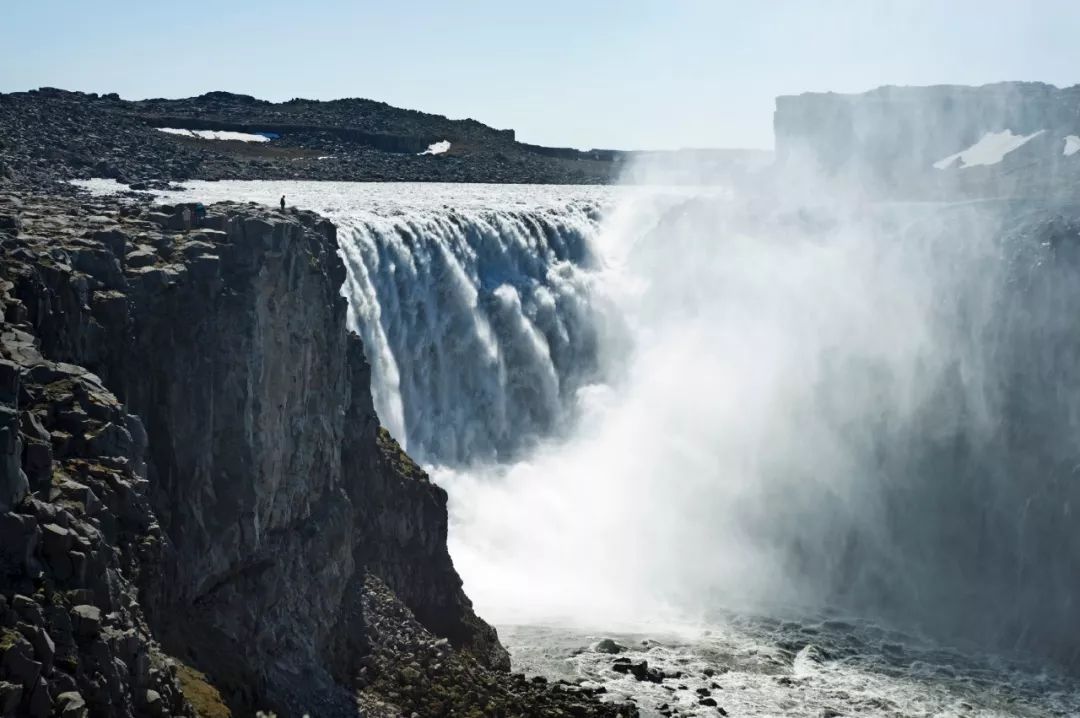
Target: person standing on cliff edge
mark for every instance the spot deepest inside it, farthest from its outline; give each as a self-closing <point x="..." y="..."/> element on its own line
<point x="282" y="203"/>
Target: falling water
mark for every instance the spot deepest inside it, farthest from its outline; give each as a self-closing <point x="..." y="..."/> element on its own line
<point x="481" y="326"/>
<point x="658" y="404"/>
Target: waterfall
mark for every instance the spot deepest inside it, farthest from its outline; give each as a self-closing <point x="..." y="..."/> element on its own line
<point x="869" y="409"/>
<point x="480" y="326"/>
<point x="674" y="401"/>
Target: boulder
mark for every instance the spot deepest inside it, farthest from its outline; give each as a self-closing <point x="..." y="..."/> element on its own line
<point x="71" y="705"/>
<point x="17" y="663"/>
<point x="219" y="222"/>
<point x="115" y="240"/>
<point x="44" y="648"/>
<point x="27" y="609"/>
<point x="110" y="440"/>
<point x="101" y="264"/>
<point x="168" y="221"/>
<point x="56" y="540"/>
<point x="110" y="308"/>
<point x="639" y="670"/>
<point x="86" y="621"/>
<point x="609" y="646"/>
<point x="141" y="257"/>
<point x="155" y="706"/>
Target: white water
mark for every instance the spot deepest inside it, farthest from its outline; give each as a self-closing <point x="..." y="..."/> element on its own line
<point x="658" y="404"/>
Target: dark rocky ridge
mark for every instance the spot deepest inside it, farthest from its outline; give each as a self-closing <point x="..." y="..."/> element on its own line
<point x="198" y="508"/>
<point x="48" y="135"/>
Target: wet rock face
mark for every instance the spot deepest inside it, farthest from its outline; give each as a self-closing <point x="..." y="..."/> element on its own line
<point x="197" y="487"/>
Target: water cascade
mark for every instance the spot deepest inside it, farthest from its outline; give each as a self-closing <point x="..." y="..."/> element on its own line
<point x="480" y="326"/>
<point x="663" y="402"/>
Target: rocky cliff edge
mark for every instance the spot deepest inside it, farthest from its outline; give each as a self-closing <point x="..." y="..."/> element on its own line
<point x="199" y="512"/>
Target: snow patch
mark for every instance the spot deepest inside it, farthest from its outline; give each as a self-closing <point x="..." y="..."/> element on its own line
<point x="989" y="150"/>
<point x="1072" y="145"/>
<point x="436" y="148"/>
<point x="215" y="134"/>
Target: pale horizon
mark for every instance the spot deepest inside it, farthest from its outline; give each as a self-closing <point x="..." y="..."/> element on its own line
<point x="638" y="75"/>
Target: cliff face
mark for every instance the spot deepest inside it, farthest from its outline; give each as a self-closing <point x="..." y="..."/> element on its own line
<point x="218" y="490"/>
<point x="891" y="137"/>
<point x="77" y="534"/>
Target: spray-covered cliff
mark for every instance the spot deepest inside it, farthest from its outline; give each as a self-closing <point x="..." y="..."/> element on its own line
<point x="1002" y="139"/>
<point x="200" y="511"/>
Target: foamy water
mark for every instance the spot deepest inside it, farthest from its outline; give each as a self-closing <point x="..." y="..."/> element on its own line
<point x="764" y="666"/>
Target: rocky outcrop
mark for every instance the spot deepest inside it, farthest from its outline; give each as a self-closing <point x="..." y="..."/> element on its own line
<point x="48" y="136"/>
<point x="436" y="681"/>
<point x="198" y="506"/>
<point x="77" y="538"/>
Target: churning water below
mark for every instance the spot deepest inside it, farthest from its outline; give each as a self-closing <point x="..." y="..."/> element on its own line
<point x="763" y="666"/>
<point x="649" y="406"/>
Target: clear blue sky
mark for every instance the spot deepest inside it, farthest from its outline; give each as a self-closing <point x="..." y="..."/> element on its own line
<point x="585" y="73"/>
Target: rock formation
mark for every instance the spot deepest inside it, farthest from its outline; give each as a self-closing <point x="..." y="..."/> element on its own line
<point x="199" y="511"/>
<point x="49" y="135"/>
<point x="888" y="139"/>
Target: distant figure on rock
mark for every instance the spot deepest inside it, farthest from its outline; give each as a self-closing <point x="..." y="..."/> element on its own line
<point x="200" y="214"/>
<point x="282" y="203"/>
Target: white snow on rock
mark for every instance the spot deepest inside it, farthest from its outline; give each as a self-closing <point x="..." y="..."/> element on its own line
<point x="215" y="134"/>
<point x="436" y="148"/>
<point x="989" y="150"/>
<point x="1072" y="145"/>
